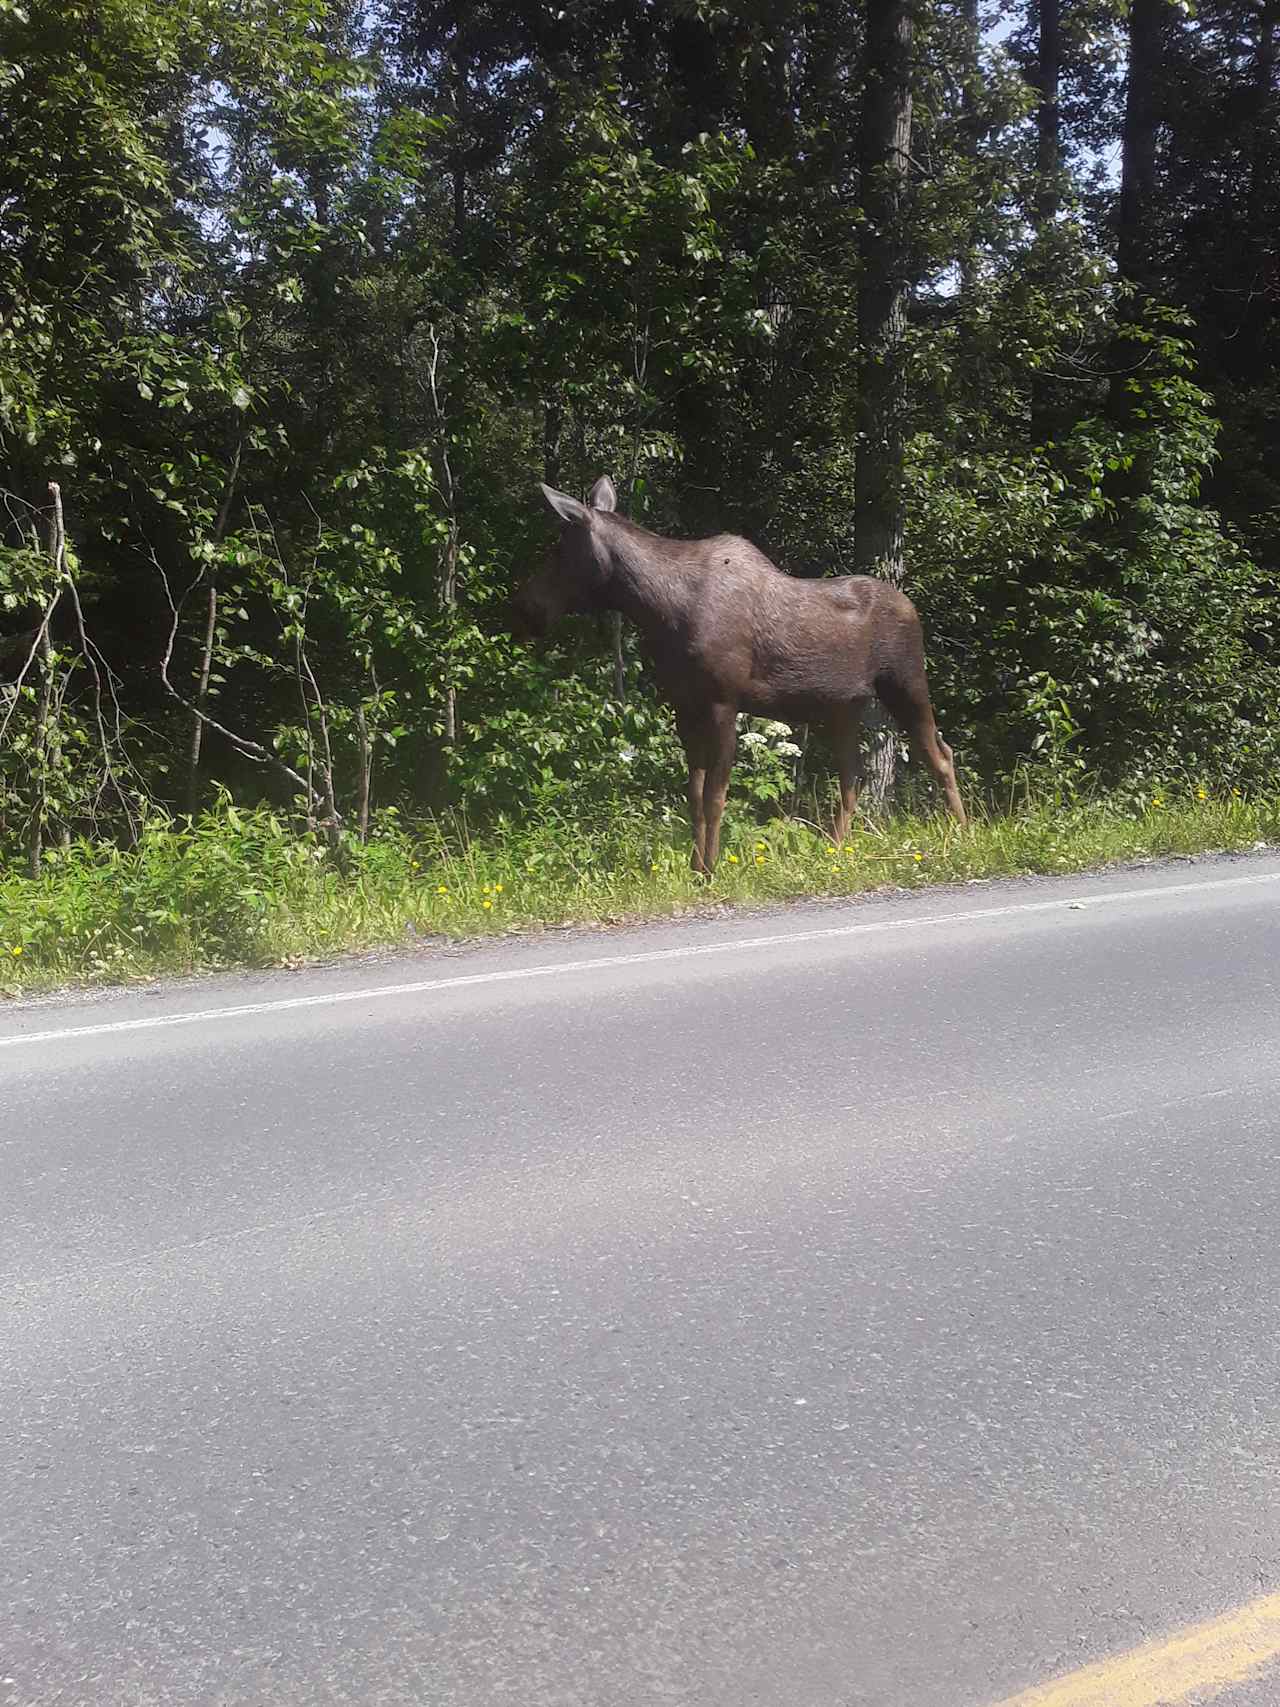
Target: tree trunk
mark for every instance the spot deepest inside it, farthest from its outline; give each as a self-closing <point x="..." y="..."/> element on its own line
<point x="1048" y="115"/>
<point x="449" y="564"/>
<point x="1135" y="259"/>
<point x="1138" y="142"/>
<point x="969" y="129"/>
<point x="884" y="160"/>
<point x="1048" y="192"/>
<point x="1264" y="149"/>
<point x="882" y="294"/>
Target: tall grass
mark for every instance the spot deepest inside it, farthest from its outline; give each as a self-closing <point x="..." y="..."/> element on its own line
<point x="240" y="888"/>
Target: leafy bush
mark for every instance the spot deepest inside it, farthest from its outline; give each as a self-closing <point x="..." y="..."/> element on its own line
<point x="1146" y="626"/>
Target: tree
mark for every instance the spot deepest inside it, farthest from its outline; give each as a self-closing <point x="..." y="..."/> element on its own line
<point x="1136" y="255"/>
<point x="884" y="159"/>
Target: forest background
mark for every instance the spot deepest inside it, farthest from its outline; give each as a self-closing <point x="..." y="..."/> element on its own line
<point x="299" y="300"/>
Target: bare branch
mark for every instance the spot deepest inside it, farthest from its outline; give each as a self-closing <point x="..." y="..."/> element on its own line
<point x="89" y="651"/>
<point x="250" y="749"/>
<point x="37" y="642"/>
<point x="47" y="712"/>
<point x="210" y="632"/>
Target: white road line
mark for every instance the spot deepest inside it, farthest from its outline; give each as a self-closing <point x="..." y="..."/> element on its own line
<point x="688" y="951"/>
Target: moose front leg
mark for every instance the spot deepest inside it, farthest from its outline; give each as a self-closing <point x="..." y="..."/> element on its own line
<point x="722" y="745"/>
<point x="846" y="741"/>
<point x="693" y="737"/>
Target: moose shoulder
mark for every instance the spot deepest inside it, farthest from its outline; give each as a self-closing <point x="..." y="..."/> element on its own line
<point x="729" y="632"/>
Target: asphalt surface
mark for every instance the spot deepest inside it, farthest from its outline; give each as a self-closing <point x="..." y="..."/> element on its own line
<point x="864" y="1306"/>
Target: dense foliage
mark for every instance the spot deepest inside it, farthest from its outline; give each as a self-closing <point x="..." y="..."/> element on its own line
<point x="298" y="301"/>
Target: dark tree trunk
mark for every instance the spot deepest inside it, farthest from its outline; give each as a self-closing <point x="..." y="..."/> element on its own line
<point x="1265" y="148"/>
<point x="1135" y="257"/>
<point x="884" y="161"/>
<point x="1048" y="196"/>
<point x="1048" y="115"/>
<point x="882" y="294"/>
<point x="969" y="128"/>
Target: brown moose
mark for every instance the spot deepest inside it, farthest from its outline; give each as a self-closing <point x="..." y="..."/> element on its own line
<point x="727" y="632"/>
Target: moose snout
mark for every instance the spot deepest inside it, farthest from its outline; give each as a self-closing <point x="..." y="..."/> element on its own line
<point x="525" y="617"/>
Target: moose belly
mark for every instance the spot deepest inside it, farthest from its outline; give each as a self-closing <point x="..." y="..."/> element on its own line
<point x="803" y="702"/>
<point x="805" y="689"/>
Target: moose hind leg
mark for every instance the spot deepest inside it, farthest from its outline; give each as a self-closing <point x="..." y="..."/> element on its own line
<point x="693" y="736"/>
<point x="722" y="748"/>
<point x="696" y="790"/>
<point x="846" y="741"/>
<point x="906" y="697"/>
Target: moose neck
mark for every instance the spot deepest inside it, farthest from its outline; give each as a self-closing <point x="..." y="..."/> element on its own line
<point x="646" y="580"/>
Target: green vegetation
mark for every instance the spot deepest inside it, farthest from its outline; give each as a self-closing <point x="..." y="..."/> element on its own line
<point x="237" y="888"/>
<point x="298" y="300"/>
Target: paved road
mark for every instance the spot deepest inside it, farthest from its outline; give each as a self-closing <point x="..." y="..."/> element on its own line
<point x="866" y="1306"/>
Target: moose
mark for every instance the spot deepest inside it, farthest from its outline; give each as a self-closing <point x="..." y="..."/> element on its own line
<point x="727" y="631"/>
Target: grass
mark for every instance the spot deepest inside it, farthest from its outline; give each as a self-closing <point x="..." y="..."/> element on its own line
<point x="239" y="888"/>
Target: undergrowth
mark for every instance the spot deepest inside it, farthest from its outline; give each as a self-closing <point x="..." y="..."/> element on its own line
<point x="237" y="888"/>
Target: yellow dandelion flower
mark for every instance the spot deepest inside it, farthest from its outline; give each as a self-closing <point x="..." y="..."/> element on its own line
<point x="413" y="865"/>
<point x="497" y="889"/>
<point x="1202" y="794"/>
<point x="17" y="948"/>
<point x="485" y="890"/>
<point x="918" y="858"/>
<point x="440" y="889"/>
<point x="1236" y="792"/>
<point x="733" y="860"/>
<point x="654" y="866"/>
<point x="488" y="906"/>
<point x="760" y="847"/>
<point x="1156" y="800"/>
<point x="759" y="859"/>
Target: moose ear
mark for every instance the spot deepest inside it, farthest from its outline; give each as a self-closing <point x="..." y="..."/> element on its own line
<point x="567" y="508"/>
<point x="602" y="495"/>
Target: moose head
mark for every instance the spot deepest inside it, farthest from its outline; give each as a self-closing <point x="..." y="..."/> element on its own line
<point x="573" y="577"/>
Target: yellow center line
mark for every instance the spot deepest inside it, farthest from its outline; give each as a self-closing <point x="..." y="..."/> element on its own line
<point x="1193" y="1664"/>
